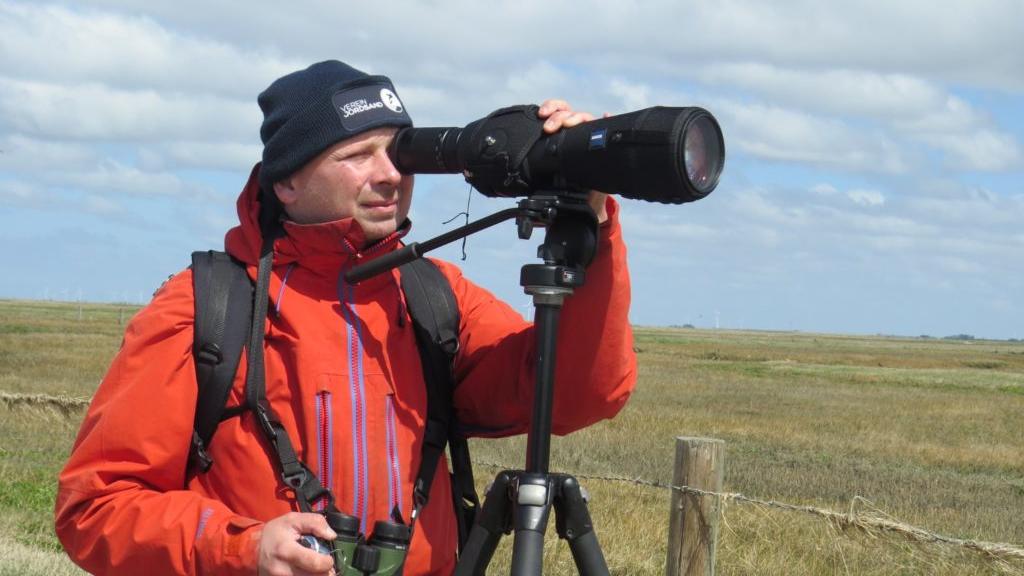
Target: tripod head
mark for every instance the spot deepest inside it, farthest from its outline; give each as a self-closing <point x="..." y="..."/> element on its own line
<point x="570" y="241"/>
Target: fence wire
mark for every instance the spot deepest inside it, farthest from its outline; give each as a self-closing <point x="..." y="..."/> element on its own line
<point x="867" y="521"/>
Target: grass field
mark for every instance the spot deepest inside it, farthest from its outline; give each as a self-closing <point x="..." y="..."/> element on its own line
<point x="929" y="431"/>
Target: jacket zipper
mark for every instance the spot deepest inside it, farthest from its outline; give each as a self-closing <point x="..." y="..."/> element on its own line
<point x="357" y="392"/>
<point x="325" y="441"/>
<point x="357" y="383"/>
<point x="280" y="292"/>
<point x="394" y="467"/>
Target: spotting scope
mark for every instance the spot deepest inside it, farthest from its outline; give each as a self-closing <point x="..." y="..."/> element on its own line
<point x="660" y="154"/>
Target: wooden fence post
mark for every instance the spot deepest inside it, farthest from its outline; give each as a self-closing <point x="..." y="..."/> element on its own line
<point x="693" y="523"/>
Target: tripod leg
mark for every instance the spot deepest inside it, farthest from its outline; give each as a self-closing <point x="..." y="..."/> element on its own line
<point x="491" y="522"/>
<point x="533" y="496"/>
<point x="573" y="523"/>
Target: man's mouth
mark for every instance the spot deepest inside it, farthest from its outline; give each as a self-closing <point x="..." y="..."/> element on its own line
<point x="381" y="206"/>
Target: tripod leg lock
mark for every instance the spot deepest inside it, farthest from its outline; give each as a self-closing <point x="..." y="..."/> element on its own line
<point x="572" y="519"/>
<point x="533" y="497"/>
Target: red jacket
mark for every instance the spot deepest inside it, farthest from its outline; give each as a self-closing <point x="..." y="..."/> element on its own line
<point x="343" y="374"/>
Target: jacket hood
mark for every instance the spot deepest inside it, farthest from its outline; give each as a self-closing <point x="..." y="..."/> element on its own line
<point x="340" y="238"/>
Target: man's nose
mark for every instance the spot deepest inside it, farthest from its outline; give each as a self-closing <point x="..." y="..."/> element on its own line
<point x="384" y="169"/>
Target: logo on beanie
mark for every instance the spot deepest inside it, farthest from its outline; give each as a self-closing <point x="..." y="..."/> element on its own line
<point x="358" y="106"/>
<point x="362" y="107"/>
<point x="390" y="99"/>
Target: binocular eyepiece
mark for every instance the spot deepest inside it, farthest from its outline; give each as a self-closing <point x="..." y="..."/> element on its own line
<point x="383" y="554"/>
<point x="659" y="154"/>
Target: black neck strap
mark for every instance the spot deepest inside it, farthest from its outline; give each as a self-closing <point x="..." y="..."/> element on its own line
<point x="296" y="475"/>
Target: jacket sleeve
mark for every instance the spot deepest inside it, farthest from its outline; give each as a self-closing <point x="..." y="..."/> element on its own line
<point x="595" y="366"/>
<point x="122" y="507"/>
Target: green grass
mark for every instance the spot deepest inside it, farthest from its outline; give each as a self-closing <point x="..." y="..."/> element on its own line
<point x="928" y="430"/>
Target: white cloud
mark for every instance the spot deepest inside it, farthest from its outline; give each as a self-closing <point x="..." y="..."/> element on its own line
<point x="190" y="154"/>
<point x="21" y="154"/>
<point x="911" y="108"/>
<point x="950" y="114"/>
<point x="785" y="134"/>
<point x="114" y="177"/>
<point x="983" y="150"/>
<point x="535" y="82"/>
<point x="866" y="197"/>
<point x="837" y="91"/>
<point x="758" y="206"/>
<point x="946" y="41"/>
<point x="16" y="193"/>
<point x="52" y="44"/>
<point x="885" y="224"/>
<point x="103" y="206"/>
<point x="969" y="209"/>
<point x="957" y="265"/>
<point x="97" y="112"/>
<point x="633" y="96"/>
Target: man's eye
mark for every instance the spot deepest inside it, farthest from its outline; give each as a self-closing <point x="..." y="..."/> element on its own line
<point x="355" y="157"/>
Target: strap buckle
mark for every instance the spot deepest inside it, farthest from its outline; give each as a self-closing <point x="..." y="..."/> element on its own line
<point x="297" y="479"/>
<point x="306" y="486"/>
<point x="266" y="424"/>
<point x="419" y="499"/>
<point x="199" y="458"/>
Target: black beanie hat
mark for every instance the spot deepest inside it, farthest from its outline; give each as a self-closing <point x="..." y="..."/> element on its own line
<point x="307" y="111"/>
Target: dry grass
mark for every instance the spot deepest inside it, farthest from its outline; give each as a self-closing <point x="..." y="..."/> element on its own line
<point x="928" y="430"/>
<point x="22" y="560"/>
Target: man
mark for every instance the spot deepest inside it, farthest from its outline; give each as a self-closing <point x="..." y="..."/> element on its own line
<point x="342" y="371"/>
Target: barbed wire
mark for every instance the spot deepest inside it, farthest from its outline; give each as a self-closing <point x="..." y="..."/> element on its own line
<point x="870" y="522"/>
<point x="875" y="521"/>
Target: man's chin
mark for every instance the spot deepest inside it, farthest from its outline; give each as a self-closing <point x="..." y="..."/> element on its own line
<point x="374" y="231"/>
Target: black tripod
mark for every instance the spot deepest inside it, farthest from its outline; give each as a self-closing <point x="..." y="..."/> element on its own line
<point x="521" y="500"/>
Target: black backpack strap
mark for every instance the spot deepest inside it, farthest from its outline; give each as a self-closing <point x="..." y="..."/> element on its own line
<point x="467" y="503"/>
<point x="435" y="316"/>
<point x="296" y="475"/>
<point x="223" y="312"/>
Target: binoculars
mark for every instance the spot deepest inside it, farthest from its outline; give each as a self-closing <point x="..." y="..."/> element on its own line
<point x="383" y="553"/>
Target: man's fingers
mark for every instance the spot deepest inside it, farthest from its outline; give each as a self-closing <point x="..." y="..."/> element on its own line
<point x="555" y="120"/>
<point x="302" y="560"/>
<point x="311" y="523"/>
<point x="577" y="118"/>
<point x="280" y="552"/>
<point x="566" y="119"/>
<point x="552" y="105"/>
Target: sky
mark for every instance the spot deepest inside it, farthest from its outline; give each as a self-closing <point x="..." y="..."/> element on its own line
<point x="874" y="179"/>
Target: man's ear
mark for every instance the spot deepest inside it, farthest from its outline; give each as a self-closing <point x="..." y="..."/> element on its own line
<point x="286" y="191"/>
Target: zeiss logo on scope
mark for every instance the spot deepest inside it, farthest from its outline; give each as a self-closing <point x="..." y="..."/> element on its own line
<point x="597" y="138"/>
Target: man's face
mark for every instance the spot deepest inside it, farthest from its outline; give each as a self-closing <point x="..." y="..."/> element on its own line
<point x="353" y="178"/>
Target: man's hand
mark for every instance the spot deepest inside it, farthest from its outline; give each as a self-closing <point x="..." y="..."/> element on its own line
<point x="559" y="114"/>
<point x="280" y="553"/>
